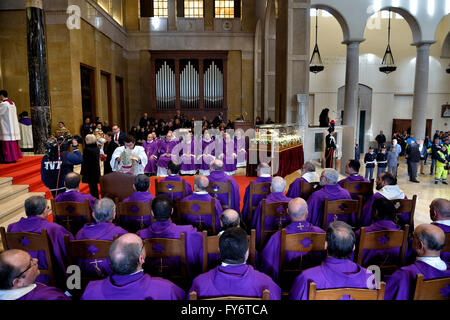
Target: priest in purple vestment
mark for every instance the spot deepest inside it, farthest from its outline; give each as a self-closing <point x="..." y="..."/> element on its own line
<point x="384" y="215"/>
<point x="165" y="153"/>
<point x="277" y="189"/>
<point x="234" y="277"/>
<point x="352" y="169"/>
<point x="228" y="155"/>
<point x="103" y="229"/>
<point x="428" y="241"/>
<point x="128" y="281"/>
<point x="264" y="176"/>
<point x="207" y="154"/>
<point x="163" y="227"/>
<point x="270" y="256"/>
<point x="440" y="215"/>
<point x="337" y="271"/>
<point x="387" y="187"/>
<point x="333" y="191"/>
<point x="187" y="159"/>
<point x="151" y="150"/>
<point x="37" y="213"/>
<point x="200" y="194"/>
<point x="140" y="194"/>
<point x="18" y="273"/>
<point x="218" y="175"/>
<point x="308" y="175"/>
<point x="241" y="148"/>
<point x="173" y="170"/>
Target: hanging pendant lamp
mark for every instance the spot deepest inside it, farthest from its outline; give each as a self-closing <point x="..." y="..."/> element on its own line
<point x="316" y="65"/>
<point x="388" y="64"/>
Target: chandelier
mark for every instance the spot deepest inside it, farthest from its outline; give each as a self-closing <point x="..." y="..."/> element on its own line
<point x="316" y="65"/>
<point x="388" y="64"/>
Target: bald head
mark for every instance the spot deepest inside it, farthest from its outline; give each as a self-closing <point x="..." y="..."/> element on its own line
<point x="125" y="254"/>
<point x="298" y="209"/>
<point x="201" y="183"/>
<point x="72" y="180"/>
<point x="428" y="240"/>
<point x="230" y="219"/>
<point x="440" y="209"/>
<point x="278" y="184"/>
<point x="16" y="270"/>
<point x="216" y="165"/>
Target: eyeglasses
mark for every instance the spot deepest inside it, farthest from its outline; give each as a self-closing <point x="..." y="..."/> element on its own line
<point x="33" y="262"/>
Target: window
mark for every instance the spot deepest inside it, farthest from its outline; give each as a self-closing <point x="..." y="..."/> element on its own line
<point x="224" y="9"/>
<point x="160" y="8"/>
<point x="114" y="8"/>
<point x="193" y="8"/>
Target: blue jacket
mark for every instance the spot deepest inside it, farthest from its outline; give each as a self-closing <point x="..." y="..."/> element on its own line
<point x="50" y="169"/>
<point x="382" y="160"/>
<point x="392" y="159"/>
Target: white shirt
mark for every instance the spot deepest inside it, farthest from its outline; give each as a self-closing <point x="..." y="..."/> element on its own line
<point x="14" y="294"/>
<point x="201" y="192"/>
<point x="435" y="262"/>
<point x="444" y="222"/>
<point x="226" y="264"/>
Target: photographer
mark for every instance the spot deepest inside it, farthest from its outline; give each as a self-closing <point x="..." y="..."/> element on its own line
<point x="58" y="161"/>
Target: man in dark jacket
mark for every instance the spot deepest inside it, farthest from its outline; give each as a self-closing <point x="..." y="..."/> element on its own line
<point x="413" y="157"/>
<point x="381" y="139"/>
<point x="434" y="149"/>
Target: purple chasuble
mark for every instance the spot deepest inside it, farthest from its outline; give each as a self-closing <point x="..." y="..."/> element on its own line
<point x="270" y="256"/>
<point x="202" y="222"/>
<point x="366" y="218"/>
<point x="316" y="205"/>
<point x="402" y="283"/>
<point x="151" y="149"/>
<point x="241" y="148"/>
<point x="187" y="158"/>
<point x="208" y="153"/>
<point x="271" y="223"/>
<point x="178" y="195"/>
<point x="237" y="280"/>
<point x="295" y="188"/>
<point x="194" y="246"/>
<point x="229" y="149"/>
<point x="165" y="147"/>
<point x="255" y="201"/>
<point x="332" y="273"/>
<point x="220" y="176"/>
<point x="56" y="235"/>
<point x="138" y="286"/>
<point x="136" y="223"/>
<point x="25" y="121"/>
<point x="43" y="292"/>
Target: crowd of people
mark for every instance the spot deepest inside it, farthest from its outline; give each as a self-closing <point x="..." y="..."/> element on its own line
<point x="129" y="273"/>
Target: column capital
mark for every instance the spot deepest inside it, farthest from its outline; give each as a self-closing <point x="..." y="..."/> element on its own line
<point x="352" y="41"/>
<point x="423" y="43"/>
<point x="33" y="4"/>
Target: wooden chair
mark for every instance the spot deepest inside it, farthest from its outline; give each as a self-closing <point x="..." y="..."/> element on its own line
<point x="198" y="208"/>
<point x="339" y="207"/>
<point x="274" y="209"/>
<point x="215" y="188"/>
<point x="308" y="188"/>
<point x="295" y="243"/>
<point x="211" y="245"/>
<point x="262" y="189"/>
<point x="434" y="289"/>
<point x="346" y="293"/>
<point x="136" y="210"/>
<point x="171" y="187"/>
<point x="385" y="239"/>
<point x="160" y="248"/>
<point x="359" y="187"/>
<point x="29" y="241"/>
<point x="406" y="205"/>
<point x="87" y="250"/>
<point x="447" y="243"/>
<point x="110" y="181"/>
<point x="70" y="214"/>
<point x="265" y="296"/>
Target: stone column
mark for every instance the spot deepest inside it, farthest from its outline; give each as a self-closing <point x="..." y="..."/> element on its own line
<point x="172" y="19"/>
<point x="419" y="120"/>
<point x="351" y="84"/>
<point x="37" y="74"/>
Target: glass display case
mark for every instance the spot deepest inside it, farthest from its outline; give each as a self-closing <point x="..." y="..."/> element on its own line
<point x="283" y="135"/>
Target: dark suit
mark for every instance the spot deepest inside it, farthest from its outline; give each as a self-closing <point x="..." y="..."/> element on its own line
<point x="120" y="139"/>
<point x="90" y="169"/>
<point x="413" y="157"/>
<point x="109" y="150"/>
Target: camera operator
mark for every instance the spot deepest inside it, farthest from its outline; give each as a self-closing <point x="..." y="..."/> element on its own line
<point x="58" y="161"/>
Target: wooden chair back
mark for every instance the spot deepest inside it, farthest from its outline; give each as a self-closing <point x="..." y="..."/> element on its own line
<point x="308" y="187"/>
<point x="215" y="188"/>
<point x="384" y="239"/>
<point x="171" y="187"/>
<point x="160" y="248"/>
<point x="346" y="293"/>
<point x="133" y="209"/>
<point x="110" y="181"/>
<point x="359" y="187"/>
<point x="434" y="289"/>
<point x="65" y="212"/>
<point x="274" y="209"/>
<point x="338" y="207"/>
<point x="447" y="243"/>
<point x="29" y="241"/>
<point x="262" y="189"/>
<point x="211" y="245"/>
<point x="264" y="296"/>
<point x="406" y="205"/>
<point x="198" y="208"/>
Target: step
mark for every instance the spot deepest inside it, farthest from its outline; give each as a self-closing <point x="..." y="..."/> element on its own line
<point x="7" y="169"/>
<point x="13" y="207"/>
<point x="5" y="181"/>
<point x="11" y="192"/>
<point x="25" y="174"/>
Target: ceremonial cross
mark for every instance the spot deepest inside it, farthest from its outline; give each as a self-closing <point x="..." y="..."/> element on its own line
<point x="383" y="240"/>
<point x="300" y="226"/>
<point x="280" y="223"/>
<point x="346" y="297"/>
<point x="199" y="221"/>
<point x="162" y="266"/>
<point x="25" y="242"/>
<point x="169" y="187"/>
<point x="92" y="249"/>
<point x="97" y="269"/>
<point x="306" y="242"/>
<point x="67" y="220"/>
<point x="141" y="222"/>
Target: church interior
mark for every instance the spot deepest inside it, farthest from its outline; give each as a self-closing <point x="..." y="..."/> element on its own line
<point x="314" y="85"/>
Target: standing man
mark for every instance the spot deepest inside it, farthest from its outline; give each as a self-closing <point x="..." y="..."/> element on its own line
<point x="423" y="154"/>
<point x="9" y="130"/>
<point x="413" y="157"/>
<point x="118" y="135"/>
<point x="381" y="139"/>
<point x="434" y="149"/>
<point x="330" y="148"/>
